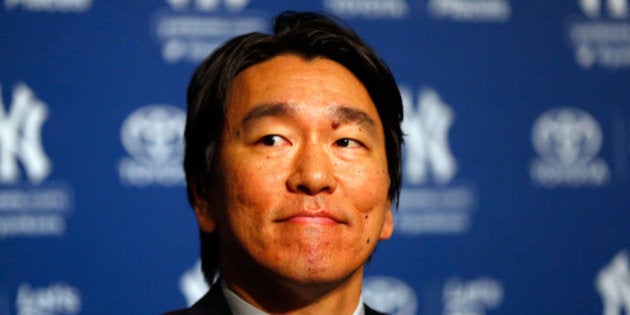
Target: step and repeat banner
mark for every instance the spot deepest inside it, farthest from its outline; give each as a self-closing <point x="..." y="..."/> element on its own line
<point x="516" y="195"/>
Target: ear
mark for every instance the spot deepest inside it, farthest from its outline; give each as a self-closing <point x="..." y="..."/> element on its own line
<point x="388" y="224"/>
<point x="205" y="216"/>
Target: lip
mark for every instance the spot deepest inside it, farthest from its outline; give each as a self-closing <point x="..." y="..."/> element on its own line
<point x="311" y="218"/>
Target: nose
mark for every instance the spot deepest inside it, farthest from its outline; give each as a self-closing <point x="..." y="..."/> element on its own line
<point x="312" y="172"/>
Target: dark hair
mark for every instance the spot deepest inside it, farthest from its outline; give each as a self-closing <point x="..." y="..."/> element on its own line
<point x="309" y="35"/>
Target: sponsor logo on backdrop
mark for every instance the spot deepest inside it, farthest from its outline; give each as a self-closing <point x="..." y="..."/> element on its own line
<point x="192" y="284"/>
<point x="153" y="136"/>
<point x="65" y="6"/>
<point x="56" y="299"/>
<point x="368" y="9"/>
<point x="568" y="141"/>
<point x="601" y="35"/>
<point x="30" y="205"/>
<point x="432" y="199"/>
<point x="613" y="285"/>
<point x="615" y="8"/>
<point x="470" y="10"/>
<point x="389" y="295"/>
<point x="189" y="30"/>
<point x="473" y="297"/>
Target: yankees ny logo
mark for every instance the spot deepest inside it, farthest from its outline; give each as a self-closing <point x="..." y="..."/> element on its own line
<point x="427" y="142"/>
<point x="613" y="284"/>
<point x="20" y="128"/>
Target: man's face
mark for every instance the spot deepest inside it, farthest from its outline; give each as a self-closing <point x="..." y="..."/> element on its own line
<point x="302" y="180"/>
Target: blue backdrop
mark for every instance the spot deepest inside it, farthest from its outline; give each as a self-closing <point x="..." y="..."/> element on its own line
<point x="516" y="196"/>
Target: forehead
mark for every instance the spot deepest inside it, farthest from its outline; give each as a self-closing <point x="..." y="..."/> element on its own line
<point x="290" y="79"/>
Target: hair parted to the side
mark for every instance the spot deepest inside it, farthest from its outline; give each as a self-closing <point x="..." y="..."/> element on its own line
<point x="309" y="35"/>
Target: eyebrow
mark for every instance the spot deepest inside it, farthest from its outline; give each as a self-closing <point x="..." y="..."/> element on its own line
<point x="340" y="114"/>
<point x="269" y="110"/>
<point x="344" y="114"/>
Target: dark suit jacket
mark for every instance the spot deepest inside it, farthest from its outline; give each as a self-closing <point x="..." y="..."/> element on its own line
<point x="214" y="303"/>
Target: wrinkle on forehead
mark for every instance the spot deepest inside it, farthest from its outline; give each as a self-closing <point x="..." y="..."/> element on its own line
<point x="339" y="114"/>
<point x="269" y="110"/>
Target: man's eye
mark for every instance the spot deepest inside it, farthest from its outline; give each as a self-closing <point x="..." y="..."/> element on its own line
<point x="271" y="140"/>
<point x="347" y="143"/>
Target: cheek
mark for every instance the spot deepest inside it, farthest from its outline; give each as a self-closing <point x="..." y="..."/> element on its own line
<point x="369" y="193"/>
<point x="368" y="187"/>
<point x="250" y="191"/>
<point x="253" y="181"/>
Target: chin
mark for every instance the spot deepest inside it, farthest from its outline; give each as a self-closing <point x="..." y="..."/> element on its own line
<point x="316" y="273"/>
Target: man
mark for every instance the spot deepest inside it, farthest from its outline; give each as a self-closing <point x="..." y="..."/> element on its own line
<point x="292" y="162"/>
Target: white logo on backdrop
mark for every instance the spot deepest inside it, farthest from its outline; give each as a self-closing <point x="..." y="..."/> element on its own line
<point x="369" y="9"/>
<point x="20" y="137"/>
<point x="35" y="207"/>
<point x="192" y="284"/>
<point x="602" y="37"/>
<point x="56" y="299"/>
<point x="154" y="138"/>
<point x="427" y="146"/>
<point x="192" y="29"/>
<point x="615" y="8"/>
<point x="65" y="6"/>
<point x="208" y="5"/>
<point x="389" y="295"/>
<point x="473" y="297"/>
<point x="431" y="201"/>
<point x="471" y="10"/>
<point x="567" y="141"/>
<point x="613" y="285"/>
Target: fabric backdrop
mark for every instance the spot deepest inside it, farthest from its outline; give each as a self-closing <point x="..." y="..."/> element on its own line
<point x="516" y="195"/>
